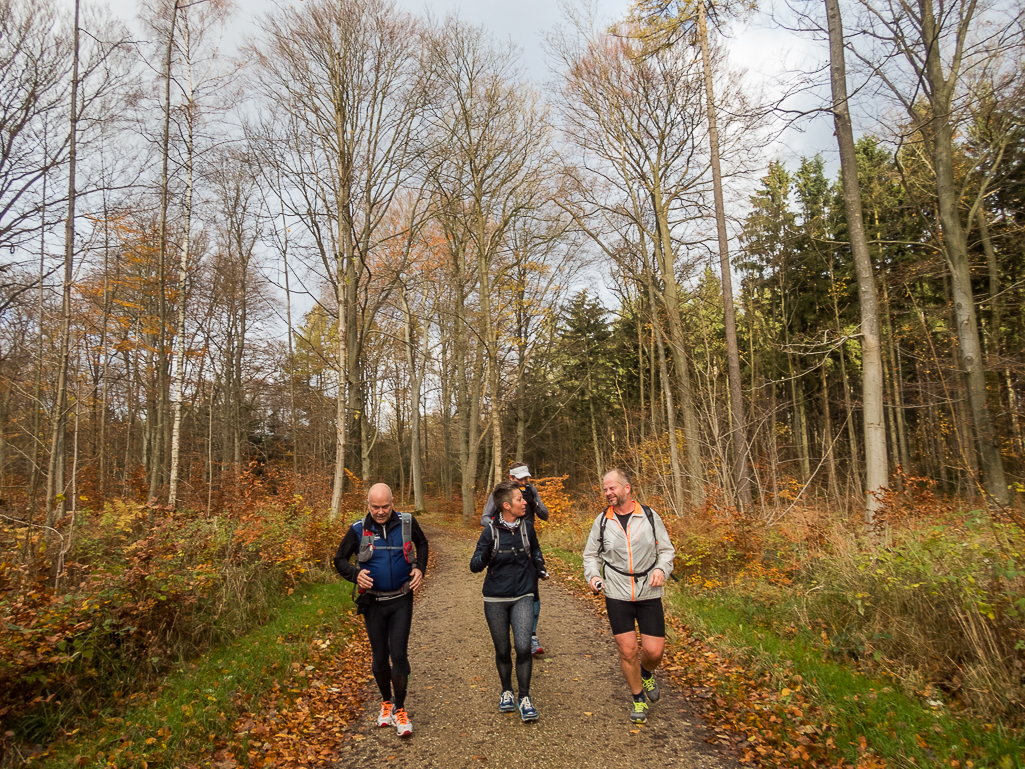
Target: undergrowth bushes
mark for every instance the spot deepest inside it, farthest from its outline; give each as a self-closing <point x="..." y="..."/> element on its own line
<point x="143" y="590"/>
<point x="940" y="605"/>
<point x="934" y="600"/>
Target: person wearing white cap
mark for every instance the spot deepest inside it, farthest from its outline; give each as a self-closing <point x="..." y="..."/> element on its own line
<point x="520" y="474"/>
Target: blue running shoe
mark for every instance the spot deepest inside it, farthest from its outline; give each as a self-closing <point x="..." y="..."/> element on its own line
<point x="527" y="711"/>
<point x="506" y="703"/>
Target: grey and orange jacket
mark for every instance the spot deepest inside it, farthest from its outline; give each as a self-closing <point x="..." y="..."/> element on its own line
<point x="631" y="550"/>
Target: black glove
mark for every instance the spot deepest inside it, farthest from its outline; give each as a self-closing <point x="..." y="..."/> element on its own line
<point x="489" y="552"/>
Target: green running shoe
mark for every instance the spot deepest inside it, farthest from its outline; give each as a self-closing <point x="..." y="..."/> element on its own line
<point x="651" y="688"/>
<point x="639" y="712"/>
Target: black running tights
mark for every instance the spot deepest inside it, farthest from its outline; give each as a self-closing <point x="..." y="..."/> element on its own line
<point x="388" y="624"/>
<point x="519" y="615"/>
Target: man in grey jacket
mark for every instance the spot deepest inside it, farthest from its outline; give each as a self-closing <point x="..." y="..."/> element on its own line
<point x="629" y="555"/>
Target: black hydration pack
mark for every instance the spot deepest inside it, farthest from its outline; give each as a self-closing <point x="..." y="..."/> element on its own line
<point x="601" y="545"/>
<point x="523" y="537"/>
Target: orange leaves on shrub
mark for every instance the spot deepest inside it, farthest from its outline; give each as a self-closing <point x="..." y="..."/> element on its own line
<point x="559" y="504"/>
<point x="141" y="591"/>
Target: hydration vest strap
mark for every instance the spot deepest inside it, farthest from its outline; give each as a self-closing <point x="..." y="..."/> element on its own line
<point x="407" y="536"/>
<point x="601" y="545"/>
<point x="367" y="547"/>
<point x="523" y="538"/>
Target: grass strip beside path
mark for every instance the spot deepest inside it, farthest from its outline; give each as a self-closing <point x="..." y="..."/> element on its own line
<point x="778" y="702"/>
<point x="279" y="696"/>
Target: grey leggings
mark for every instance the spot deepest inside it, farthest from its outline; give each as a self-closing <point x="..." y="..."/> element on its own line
<point x="520" y="616"/>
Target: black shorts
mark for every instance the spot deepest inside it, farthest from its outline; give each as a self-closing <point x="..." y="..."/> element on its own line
<point x="648" y="614"/>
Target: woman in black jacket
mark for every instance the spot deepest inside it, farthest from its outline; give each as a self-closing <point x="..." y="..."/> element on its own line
<point x="509" y="550"/>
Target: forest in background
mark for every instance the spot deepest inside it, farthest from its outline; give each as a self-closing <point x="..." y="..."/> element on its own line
<point x="499" y="273"/>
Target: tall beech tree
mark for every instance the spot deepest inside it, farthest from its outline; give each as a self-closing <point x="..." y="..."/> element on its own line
<point x="351" y="88"/>
<point x="634" y="115"/>
<point x="662" y="22"/>
<point x="876" y="465"/>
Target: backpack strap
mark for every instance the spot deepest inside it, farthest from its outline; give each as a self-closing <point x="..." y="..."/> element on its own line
<point x="407" y="536"/>
<point x="650" y="515"/>
<point x="367" y="547"/>
<point x="523" y="538"/>
<point x="366" y="542"/>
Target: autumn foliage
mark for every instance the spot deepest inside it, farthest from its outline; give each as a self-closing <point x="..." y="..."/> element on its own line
<point x="142" y="591"/>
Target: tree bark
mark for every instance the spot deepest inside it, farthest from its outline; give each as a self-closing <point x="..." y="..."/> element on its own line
<point x="876" y="463"/>
<point x="738" y="417"/>
<point x="55" y="499"/>
<point x="178" y="350"/>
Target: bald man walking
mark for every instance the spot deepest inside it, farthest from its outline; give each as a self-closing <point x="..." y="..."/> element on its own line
<point x="385" y="574"/>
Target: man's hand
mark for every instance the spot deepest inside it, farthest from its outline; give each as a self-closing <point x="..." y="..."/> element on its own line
<point x="415" y="579"/>
<point x="596" y="584"/>
<point x="364" y="580"/>
<point x="658" y="578"/>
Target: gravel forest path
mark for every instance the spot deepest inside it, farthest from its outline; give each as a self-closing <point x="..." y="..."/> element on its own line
<point x="577" y="688"/>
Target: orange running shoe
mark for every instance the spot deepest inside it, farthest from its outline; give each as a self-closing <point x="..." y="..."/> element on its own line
<point x="402" y="725"/>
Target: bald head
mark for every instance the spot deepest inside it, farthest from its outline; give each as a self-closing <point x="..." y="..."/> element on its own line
<point x="379" y="502"/>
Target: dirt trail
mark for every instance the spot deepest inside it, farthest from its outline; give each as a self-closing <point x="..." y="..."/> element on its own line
<point x="577" y="687"/>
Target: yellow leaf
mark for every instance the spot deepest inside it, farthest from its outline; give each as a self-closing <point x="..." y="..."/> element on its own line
<point x="588" y="714"/>
<point x="785" y="692"/>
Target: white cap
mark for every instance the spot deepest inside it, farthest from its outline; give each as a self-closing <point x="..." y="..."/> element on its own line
<point x="520" y="472"/>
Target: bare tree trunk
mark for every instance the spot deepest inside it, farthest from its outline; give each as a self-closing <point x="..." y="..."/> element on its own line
<point x="828" y="455"/>
<point x="178" y="351"/>
<point x="416" y="375"/>
<point x="157" y="431"/>
<point x="940" y="92"/>
<point x="642" y="419"/>
<point x="738" y="418"/>
<point x="995" y="314"/>
<point x="55" y="499"/>
<point x="664" y="256"/>
<point x="446" y="421"/>
<point x="102" y="452"/>
<point x="599" y="463"/>
<point x="291" y="361"/>
<point x="491" y="351"/>
<point x="876" y="464"/>
<point x="797" y="422"/>
<point x="1014" y="408"/>
<point x="667" y="393"/>
<point x="37" y="393"/>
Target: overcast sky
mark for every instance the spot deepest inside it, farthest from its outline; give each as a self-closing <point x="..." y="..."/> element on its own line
<point x="764" y="51"/>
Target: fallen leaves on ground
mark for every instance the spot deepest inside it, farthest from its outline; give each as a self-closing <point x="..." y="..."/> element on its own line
<point x="763" y="723"/>
<point x="301" y="722"/>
